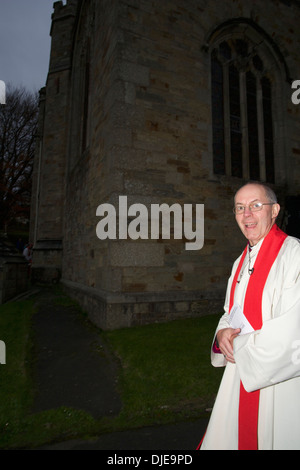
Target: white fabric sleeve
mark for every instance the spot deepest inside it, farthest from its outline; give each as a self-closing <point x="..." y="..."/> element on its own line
<point x="217" y="359"/>
<point x="272" y="354"/>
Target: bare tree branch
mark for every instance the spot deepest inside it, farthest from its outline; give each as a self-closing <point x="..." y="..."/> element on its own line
<point x="18" y="124"/>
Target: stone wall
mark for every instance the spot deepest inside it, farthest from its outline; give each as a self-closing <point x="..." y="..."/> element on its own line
<point x="49" y="178"/>
<point x="130" y="114"/>
<point x="14" y="271"/>
<point x="14" y="279"/>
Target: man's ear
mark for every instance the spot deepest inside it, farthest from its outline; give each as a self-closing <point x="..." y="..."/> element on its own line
<point x="275" y="210"/>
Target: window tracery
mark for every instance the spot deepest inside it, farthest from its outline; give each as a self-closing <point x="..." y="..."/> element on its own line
<point x="242" y="114"/>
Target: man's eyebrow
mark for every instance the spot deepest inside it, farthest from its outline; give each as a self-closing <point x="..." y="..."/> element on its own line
<point x="242" y="204"/>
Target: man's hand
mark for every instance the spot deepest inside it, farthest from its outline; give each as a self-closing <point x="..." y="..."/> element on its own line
<point x="225" y="339"/>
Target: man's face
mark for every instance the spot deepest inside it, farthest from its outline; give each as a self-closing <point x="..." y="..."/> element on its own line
<point x="255" y="225"/>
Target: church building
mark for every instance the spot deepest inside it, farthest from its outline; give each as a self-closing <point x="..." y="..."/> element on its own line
<point x="153" y="114"/>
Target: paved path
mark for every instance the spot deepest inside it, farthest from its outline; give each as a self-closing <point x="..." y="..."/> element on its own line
<point x="70" y="371"/>
<point x="73" y="368"/>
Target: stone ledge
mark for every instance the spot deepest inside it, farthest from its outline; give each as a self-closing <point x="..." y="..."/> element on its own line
<point x="48" y="245"/>
<point x="121" y="310"/>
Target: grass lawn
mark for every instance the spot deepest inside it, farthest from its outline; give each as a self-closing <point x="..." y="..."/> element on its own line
<point x="166" y="371"/>
<point x="165" y="376"/>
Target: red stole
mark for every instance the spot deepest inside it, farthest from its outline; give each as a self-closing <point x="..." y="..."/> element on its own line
<point x="249" y="402"/>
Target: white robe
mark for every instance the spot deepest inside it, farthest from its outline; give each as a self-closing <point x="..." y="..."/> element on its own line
<point x="267" y="359"/>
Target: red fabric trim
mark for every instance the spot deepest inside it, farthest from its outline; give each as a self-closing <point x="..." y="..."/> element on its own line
<point x="200" y="444"/>
<point x="215" y="348"/>
<point x="249" y="402"/>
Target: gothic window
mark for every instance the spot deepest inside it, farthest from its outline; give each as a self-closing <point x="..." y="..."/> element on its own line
<point x="86" y="97"/>
<point x="242" y="120"/>
<point x="81" y="103"/>
<point x="218" y="115"/>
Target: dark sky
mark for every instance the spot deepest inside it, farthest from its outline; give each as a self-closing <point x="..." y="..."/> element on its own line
<point x="25" y="42"/>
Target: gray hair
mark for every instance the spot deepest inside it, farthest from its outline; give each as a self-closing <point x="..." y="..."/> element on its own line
<point x="270" y="194"/>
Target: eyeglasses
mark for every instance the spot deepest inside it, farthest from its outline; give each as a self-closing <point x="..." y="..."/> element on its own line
<point x="253" y="207"/>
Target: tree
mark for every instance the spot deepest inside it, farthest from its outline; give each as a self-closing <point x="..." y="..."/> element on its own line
<point x="18" y="126"/>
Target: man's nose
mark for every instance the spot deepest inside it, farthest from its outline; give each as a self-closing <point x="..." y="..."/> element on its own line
<point x="247" y="211"/>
